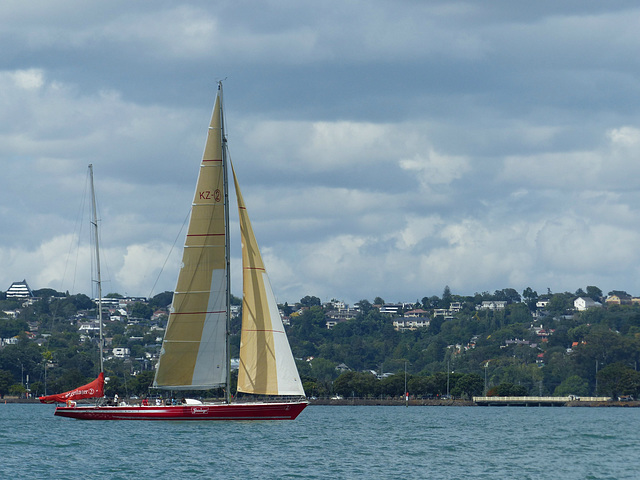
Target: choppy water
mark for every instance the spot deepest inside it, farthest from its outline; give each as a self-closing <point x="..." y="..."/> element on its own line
<point x="330" y="442"/>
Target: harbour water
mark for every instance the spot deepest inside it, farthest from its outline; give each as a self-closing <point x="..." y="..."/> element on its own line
<point x="336" y="442"/>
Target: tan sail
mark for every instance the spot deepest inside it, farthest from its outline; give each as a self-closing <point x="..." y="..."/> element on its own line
<point x="193" y="354"/>
<point x="267" y="366"/>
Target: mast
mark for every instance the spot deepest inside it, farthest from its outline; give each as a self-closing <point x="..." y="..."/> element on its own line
<point x="94" y="222"/>
<point x="227" y="247"/>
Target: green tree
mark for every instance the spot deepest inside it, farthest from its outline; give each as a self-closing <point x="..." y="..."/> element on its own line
<point x="618" y="379"/>
<point x="594" y="293"/>
<point x="619" y="293"/>
<point x="530" y="298"/>
<point x="364" y="306"/>
<point x="161" y="300"/>
<point x="392" y="386"/>
<point x="508" y="390"/>
<point x="82" y="302"/>
<point x="10" y="327"/>
<point x="6" y="380"/>
<point x="139" y="384"/>
<point x="323" y="369"/>
<point x="573" y="385"/>
<point x="360" y="384"/>
<point x="140" y="310"/>
<point x="509" y="295"/>
<point x="47" y="292"/>
<point x="469" y="384"/>
<point x="446" y="298"/>
<point x="310" y="301"/>
<point x="286" y="309"/>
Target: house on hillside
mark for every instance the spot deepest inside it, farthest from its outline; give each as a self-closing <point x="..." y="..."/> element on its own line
<point x="418" y="312"/>
<point x="493" y="305"/>
<point x="89" y="327"/>
<point x="339" y="315"/>
<point x="342" y="368"/>
<point x="582" y="303"/>
<point x="402" y="324"/>
<point x="392" y="308"/>
<point x="443" y="312"/>
<point x="617" y="300"/>
<point x="455" y="307"/>
<point x="121" y="352"/>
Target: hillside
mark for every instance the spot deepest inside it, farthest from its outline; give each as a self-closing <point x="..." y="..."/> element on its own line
<point x="532" y="344"/>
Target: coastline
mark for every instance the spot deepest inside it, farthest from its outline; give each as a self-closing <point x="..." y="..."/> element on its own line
<point x="399" y="402"/>
<point x="452" y="403"/>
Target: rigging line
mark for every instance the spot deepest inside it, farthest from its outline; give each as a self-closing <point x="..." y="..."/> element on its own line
<point x="170" y="252"/>
<point x="104" y="258"/>
<point x="74" y="239"/>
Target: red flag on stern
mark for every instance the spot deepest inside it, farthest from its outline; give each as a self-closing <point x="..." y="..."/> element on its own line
<point x="90" y="390"/>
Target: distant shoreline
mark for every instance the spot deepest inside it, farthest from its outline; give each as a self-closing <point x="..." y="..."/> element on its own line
<point x="396" y="402"/>
<point x="451" y="403"/>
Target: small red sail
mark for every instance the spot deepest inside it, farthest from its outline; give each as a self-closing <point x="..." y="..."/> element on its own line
<point x="90" y="390"/>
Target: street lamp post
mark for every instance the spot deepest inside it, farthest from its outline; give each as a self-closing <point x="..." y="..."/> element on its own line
<point x="406" y="393"/>
<point x="486" y="366"/>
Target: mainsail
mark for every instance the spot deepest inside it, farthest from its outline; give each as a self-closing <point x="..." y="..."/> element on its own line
<point x="194" y="350"/>
<point x="267" y="366"/>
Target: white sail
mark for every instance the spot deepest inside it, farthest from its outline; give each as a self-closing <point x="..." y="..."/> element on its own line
<point x="267" y="366"/>
<point x="194" y="351"/>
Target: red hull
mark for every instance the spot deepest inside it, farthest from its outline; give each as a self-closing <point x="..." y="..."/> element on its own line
<point x="233" y="411"/>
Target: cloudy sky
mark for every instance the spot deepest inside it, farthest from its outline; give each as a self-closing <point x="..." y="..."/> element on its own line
<point x="384" y="148"/>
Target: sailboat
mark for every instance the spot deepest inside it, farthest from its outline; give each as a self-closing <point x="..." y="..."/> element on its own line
<point x="195" y="349"/>
<point x="95" y="388"/>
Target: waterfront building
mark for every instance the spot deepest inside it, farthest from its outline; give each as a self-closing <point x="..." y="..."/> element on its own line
<point x="19" y="290"/>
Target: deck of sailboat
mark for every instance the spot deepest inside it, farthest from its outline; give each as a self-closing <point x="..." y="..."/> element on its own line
<point x="204" y="411"/>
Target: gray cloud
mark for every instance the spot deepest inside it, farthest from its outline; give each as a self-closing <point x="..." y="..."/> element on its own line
<point x="384" y="148"/>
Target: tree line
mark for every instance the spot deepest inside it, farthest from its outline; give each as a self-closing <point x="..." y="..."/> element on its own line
<point x="585" y="353"/>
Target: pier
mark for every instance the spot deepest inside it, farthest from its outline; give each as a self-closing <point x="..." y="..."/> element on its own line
<point x="536" y="401"/>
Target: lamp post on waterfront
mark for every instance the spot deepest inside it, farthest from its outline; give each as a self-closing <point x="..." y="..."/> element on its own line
<point x="406" y="393"/>
<point x="486" y="366"/>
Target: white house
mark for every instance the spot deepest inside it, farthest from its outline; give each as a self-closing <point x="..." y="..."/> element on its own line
<point x="89" y="327"/>
<point x="121" y="352"/>
<point x="392" y="308"/>
<point x="582" y="303"/>
<point x="412" y="323"/>
<point x="493" y="305"/>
